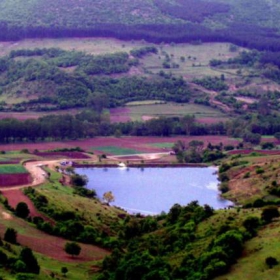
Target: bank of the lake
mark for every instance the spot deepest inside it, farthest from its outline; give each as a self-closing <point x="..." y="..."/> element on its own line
<point x="153" y="190"/>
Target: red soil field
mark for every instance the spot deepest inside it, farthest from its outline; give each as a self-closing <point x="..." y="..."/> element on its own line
<point x="142" y="144"/>
<point x="15" y="196"/>
<point x="52" y="246"/>
<point x="14" y="179"/>
<point x="77" y="155"/>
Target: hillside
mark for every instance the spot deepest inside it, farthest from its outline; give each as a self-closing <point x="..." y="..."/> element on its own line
<point x="239" y="22"/>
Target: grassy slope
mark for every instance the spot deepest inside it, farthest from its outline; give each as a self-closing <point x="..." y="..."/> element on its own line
<point x="28" y="235"/>
<point x="195" y="65"/>
<point x="252" y="264"/>
<point x="244" y="190"/>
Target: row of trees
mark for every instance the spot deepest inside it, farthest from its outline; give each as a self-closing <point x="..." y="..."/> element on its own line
<point x="242" y="34"/>
<point x="90" y="124"/>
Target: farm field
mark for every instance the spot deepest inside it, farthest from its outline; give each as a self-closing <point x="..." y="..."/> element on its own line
<point x="12" y="169"/>
<point x="146" y="112"/>
<point x="193" y="60"/>
<point x="35" y="115"/>
<point x="93" y="46"/>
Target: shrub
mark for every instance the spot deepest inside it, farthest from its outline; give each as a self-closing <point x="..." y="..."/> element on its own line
<point x="32" y="266"/>
<point x="269" y="213"/>
<point x="72" y="248"/>
<point x="10" y="235"/>
<point x="271" y="261"/>
<point x="22" y="210"/>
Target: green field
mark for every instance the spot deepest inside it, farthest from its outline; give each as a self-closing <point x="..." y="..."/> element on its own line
<point x="162" y="145"/>
<point x="12" y="169"/>
<point x="172" y="109"/>
<point x="116" y="150"/>
<point x="93" y="46"/>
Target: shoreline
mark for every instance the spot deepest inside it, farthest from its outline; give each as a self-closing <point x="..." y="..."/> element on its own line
<point x="140" y="165"/>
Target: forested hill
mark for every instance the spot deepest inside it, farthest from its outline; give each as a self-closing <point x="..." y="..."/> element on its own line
<point x="249" y="23"/>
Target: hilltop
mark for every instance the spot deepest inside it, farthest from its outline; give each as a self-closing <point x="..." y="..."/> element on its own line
<point x="157" y="21"/>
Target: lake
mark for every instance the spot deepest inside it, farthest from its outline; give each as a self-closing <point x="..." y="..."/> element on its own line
<point x="153" y="190"/>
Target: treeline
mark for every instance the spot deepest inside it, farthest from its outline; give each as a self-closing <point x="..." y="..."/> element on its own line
<point x="192" y="10"/>
<point x="89" y="64"/>
<point x="241" y="34"/>
<point x="139" y="53"/>
<point x="91" y="124"/>
<point x="212" y="83"/>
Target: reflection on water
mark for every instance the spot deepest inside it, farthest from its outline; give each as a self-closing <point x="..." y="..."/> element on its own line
<point x="153" y="190"/>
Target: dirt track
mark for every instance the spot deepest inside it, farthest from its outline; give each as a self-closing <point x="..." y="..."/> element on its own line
<point x="37" y="173"/>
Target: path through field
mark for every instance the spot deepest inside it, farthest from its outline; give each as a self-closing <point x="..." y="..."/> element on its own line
<point x="37" y="240"/>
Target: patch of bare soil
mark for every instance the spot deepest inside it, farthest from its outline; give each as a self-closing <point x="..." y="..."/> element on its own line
<point x="6" y="216"/>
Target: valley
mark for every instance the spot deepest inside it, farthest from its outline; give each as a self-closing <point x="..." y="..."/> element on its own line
<point x="106" y="105"/>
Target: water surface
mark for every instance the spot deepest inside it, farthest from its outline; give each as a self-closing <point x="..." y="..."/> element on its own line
<point x="153" y="190"/>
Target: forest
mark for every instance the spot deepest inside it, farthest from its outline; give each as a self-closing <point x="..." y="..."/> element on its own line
<point x="180" y="21"/>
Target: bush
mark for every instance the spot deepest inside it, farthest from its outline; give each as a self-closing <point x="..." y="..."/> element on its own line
<point x="269" y="213"/>
<point x="32" y="266"/>
<point x="3" y="258"/>
<point x="271" y="261"/>
<point x="22" y="210"/>
<point x="79" y="180"/>
<point x="10" y="235"/>
<point x="72" y="248"/>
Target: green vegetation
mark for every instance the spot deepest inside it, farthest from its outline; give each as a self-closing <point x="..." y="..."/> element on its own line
<point x="12" y="169"/>
<point x="173" y="110"/>
<point x="163" y="145"/>
<point x="116" y="150"/>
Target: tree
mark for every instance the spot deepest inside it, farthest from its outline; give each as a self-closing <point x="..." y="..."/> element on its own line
<point x="251" y="224"/>
<point x="72" y="248"/>
<point x="64" y="270"/>
<point x="79" y="180"/>
<point x="269" y="213"/>
<point x="277" y="136"/>
<point x="22" y="210"/>
<point x="32" y="266"/>
<point x="108" y="197"/>
<point x="271" y="261"/>
<point x="3" y="258"/>
<point x="188" y="122"/>
<point x="11" y="235"/>
<point x="253" y="138"/>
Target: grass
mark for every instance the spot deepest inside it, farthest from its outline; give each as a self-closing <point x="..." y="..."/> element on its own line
<point x="252" y="265"/>
<point x="196" y="59"/>
<point x="116" y="150"/>
<point x="172" y="109"/>
<point x="145" y="102"/>
<point x="163" y="145"/>
<point x="12" y="169"/>
<point x="93" y="46"/>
